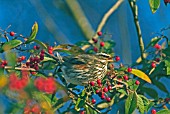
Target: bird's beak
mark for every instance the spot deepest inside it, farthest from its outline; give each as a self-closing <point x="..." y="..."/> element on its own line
<point x="110" y="60"/>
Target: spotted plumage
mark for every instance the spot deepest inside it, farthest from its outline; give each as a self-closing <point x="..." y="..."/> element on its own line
<point x="81" y="69"/>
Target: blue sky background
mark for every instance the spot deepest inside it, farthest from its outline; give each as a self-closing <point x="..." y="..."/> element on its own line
<point x="21" y="14"/>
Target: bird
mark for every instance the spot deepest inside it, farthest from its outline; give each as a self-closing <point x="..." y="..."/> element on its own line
<point x="83" y="68"/>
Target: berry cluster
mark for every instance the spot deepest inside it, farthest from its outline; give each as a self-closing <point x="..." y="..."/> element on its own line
<point x="101" y="90"/>
<point x="16" y="83"/>
<point x="47" y="85"/>
<point x="34" y="61"/>
<point x="32" y="108"/>
<point x="3" y="63"/>
<point x="36" y="47"/>
<point x="95" y="40"/>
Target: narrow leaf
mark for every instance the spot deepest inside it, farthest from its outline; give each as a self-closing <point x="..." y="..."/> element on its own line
<point x="131" y="103"/>
<point x="164" y="111"/>
<point x="167" y="64"/>
<point x="153" y="41"/>
<point x="141" y="75"/>
<point x="160" y="85"/>
<point x="44" y="46"/>
<point x="104" y="105"/>
<point x="11" y="44"/>
<point x="33" y="33"/>
<point x="154" y="5"/>
<point x="151" y="92"/>
<point x="140" y="104"/>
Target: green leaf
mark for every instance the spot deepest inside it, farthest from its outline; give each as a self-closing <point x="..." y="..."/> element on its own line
<point x="44" y="46"/>
<point x="154" y="5"/>
<point x="82" y="43"/>
<point x="11" y="44"/>
<point x="151" y="92"/>
<point x="11" y="58"/>
<point x="153" y="41"/>
<point x="140" y="104"/>
<point x="79" y="104"/>
<point x="160" y="85"/>
<point x="132" y="85"/>
<point x="33" y="33"/>
<point x="131" y="103"/>
<point x="164" y="111"/>
<point x="70" y="49"/>
<point x="141" y="75"/>
<point x="167" y="64"/>
<point x="48" y="59"/>
<point x="109" y="44"/>
<point x="166" y="51"/>
<point x="104" y="104"/>
<point x="89" y="110"/>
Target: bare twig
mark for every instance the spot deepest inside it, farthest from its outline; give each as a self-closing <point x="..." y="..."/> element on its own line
<point x="134" y="10"/>
<point x="104" y="20"/>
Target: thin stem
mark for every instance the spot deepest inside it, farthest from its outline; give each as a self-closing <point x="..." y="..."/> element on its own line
<point x="134" y="10"/>
<point x="107" y="15"/>
<point x="104" y="20"/>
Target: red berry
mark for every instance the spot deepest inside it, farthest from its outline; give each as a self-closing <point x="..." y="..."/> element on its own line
<point x="92" y="83"/>
<point x="41" y="55"/>
<point x="117" y="58"/>
<point x="108" y="99"/>
<point x="153" y="64"/>
<point x="82" y="112"/>
<point x="97" y="91"/>
<point x="153" y="111"/>
<point x="36" y="67"/>
<point x="33" y="73"/>
<point x="93" y="101"/>
<point x="167" y="99"/>
<point x="31" y="59"/>
<point x="27" y="110"/>
<point x="125" y="77"/>
<point x="137" y="82"/>
<point x="5" y="62"/>
<point x="105" y="89"/>
<point x="2" y="66"/>
<point x="95" y="49"/>
<point x="99" y="33"/>
<point x="23" y="58"/>
<point x="99" y="81"/>
<point x="109" y="87"/>
<point x="35" y="109"/>
<point x="50" y="51"/>
<point x="157" y="46"/>
<point x="129" y="69"/>
<point x="35" y="47"/>
<point x="102" y="96"/>
<point x="12" y="33"/>
<point x="42" y="51"/>
<point x="157" y="59"/>
<point x="37" y="59"/>
<point x="28" y="64"/>
<point x="94" y="40"/>
<point x="102" y="44"/>
<point x="50" y="48"/>
<point x="41" y="58"/>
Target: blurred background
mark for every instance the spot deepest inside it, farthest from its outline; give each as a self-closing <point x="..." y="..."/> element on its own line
<point x="70" y="21"/>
